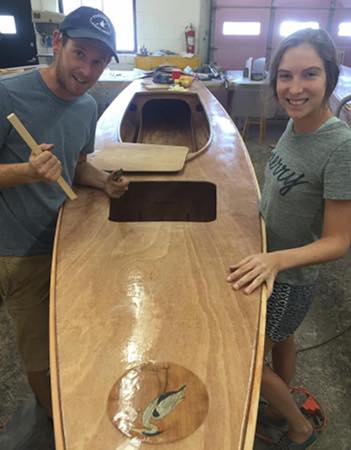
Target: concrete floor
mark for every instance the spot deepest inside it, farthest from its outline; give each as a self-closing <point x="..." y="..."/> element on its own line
<point x="325" y="371"/>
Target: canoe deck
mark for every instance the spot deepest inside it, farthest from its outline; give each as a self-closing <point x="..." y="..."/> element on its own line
<point x="130" y="294"/>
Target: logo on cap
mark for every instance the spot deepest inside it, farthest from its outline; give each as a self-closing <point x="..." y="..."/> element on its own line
<point x="101" y="23"/>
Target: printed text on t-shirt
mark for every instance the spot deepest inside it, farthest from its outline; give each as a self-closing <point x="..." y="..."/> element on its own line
<point x="283" y="174"/>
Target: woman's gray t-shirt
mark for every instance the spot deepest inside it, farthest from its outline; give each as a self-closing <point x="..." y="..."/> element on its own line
<point x="303" y="171"/>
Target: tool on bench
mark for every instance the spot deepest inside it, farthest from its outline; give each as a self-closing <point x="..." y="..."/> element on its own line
<point x="28" y="139"/>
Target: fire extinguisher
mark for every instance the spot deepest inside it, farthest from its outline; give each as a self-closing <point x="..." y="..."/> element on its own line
<point x="190" y="39"/>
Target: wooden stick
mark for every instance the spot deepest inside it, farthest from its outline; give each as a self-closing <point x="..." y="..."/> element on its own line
<point x="28" y="139"/>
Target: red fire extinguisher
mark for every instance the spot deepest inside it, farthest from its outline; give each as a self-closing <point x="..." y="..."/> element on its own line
<point x="190" y="39"/>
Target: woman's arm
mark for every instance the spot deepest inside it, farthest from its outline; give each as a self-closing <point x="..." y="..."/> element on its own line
<point x="254" y="270"/>
<point x="88" y="175"/>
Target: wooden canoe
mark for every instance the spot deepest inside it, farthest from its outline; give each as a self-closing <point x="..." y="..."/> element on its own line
<point x="150" y="347"/>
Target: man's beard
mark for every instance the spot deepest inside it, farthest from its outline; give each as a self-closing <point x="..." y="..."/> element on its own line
<point x="62" y="78"/>
<point x="60" y="73"/>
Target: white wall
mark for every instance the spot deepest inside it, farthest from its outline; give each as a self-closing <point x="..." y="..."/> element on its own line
<point x="161" y="23"/>
<point x="203" y="34"/>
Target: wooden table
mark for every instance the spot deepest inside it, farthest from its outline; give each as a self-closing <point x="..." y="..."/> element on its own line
<point x="251" y="100"/>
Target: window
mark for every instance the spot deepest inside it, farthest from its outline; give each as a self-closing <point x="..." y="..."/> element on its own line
<point x="290" y="26"/>
<point x="241" y="28"/>
<point x="344" y="29"/>
<point x="121" y="13"/>
<point x="7" y="25"/>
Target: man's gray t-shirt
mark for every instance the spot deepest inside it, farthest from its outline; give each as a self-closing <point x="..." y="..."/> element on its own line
<point x="28" y="212"/>
<point x="303" y="170"/>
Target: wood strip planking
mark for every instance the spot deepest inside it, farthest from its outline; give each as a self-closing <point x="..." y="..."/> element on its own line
<point x="54" y="366"/>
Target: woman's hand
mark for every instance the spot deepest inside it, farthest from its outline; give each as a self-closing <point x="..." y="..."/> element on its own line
<point x="252" y="271"/>
<point x="116" y="188"/>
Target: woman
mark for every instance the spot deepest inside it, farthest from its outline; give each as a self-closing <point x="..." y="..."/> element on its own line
<point x="306" y="204"/>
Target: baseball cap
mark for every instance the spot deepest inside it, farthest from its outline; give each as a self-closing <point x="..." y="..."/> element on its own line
<point x="86" y="22"/>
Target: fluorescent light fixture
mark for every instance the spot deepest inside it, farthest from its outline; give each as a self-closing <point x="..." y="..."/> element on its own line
<point x="7" y="25"/>
<point x="290" y="26"/>
<point x="241" y="28"/>
<point x="344" y="29"/>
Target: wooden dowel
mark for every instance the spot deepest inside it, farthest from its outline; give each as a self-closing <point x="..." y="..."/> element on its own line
<point x="28" y="139"/>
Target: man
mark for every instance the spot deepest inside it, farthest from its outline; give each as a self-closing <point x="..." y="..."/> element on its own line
<point x="53" y="105"/>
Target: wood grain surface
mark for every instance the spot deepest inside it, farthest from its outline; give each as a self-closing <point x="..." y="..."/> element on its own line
<point x="126" y="294"/>
<point x="140" y="157"/>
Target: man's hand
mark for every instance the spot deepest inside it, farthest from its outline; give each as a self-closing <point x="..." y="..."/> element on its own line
<point x="116" y="188"/>
<point x="252" y="271"/>
<point x="45" y="167"/>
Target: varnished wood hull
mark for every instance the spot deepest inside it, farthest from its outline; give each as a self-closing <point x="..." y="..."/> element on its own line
<point x="125" y="294"/>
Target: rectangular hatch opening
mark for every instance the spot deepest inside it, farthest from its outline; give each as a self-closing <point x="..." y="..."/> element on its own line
<point x="172" y="201"/>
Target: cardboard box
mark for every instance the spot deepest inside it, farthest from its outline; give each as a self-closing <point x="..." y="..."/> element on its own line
<point x="151" y="62"/>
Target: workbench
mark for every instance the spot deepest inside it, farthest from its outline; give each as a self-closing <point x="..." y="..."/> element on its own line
<point x="112" y="82"/>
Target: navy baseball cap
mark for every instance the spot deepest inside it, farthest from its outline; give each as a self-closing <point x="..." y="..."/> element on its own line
<point x="90" y="23"/>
